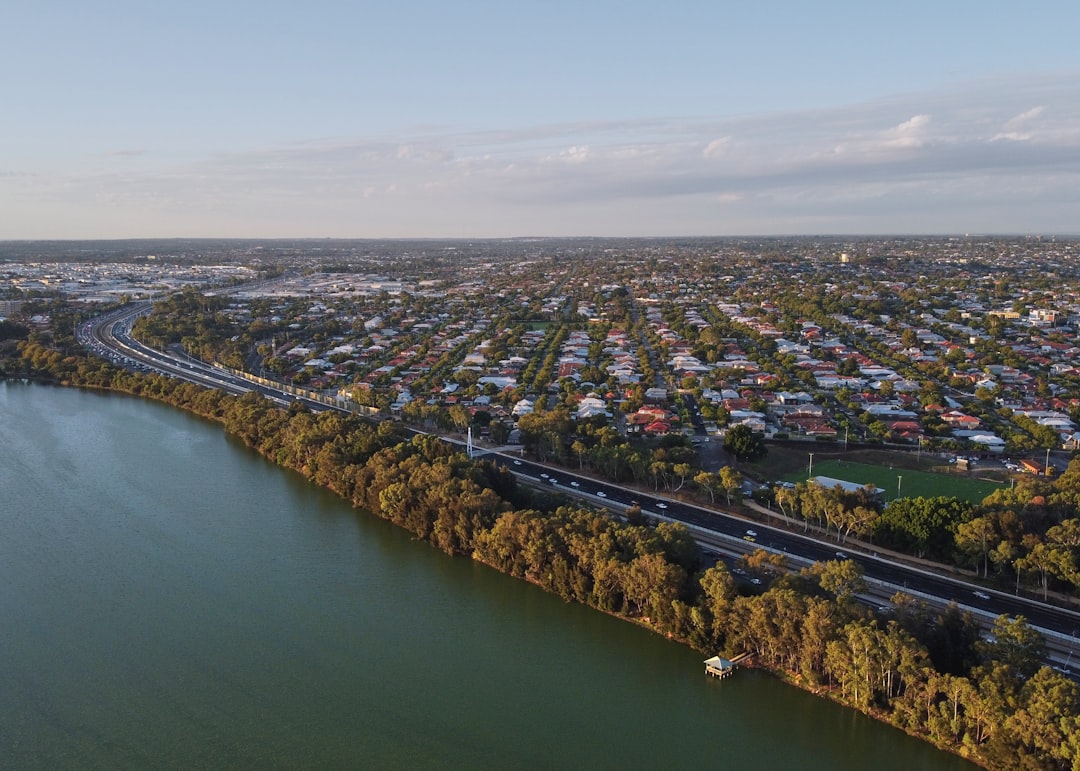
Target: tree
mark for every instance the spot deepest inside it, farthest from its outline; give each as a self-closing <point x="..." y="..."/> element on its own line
<point x="1044" y="559"/>
<point x="744" y="444"/>
<point x="682" y="470"/>
<point x="708" y="482"/>
<point x="976" y="539"/>
<point x="842" y="578"/>
<point x="580" y="450"/>
<point x="764" y="563"/>
<point x="1039" y="730"/>
<point x="460" y="416"/>
<point x="922" y="526"/>
<point x="11" y="330"/>
<point x="1066" y="539"/>
<point x="730" y="482"/>
<point x="1068" y="483"/>
<point x="718" y="588"/>
<point x="1014" y="643"/>
<point x="786" y="495"/>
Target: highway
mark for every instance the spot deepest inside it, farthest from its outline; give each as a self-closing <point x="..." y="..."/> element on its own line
<point x="109" y="336"/>
<point x="740" y="535"/>
<point x="718" y="531"/>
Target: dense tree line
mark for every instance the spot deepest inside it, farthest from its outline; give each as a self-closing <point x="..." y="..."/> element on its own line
<point x="1027" y="535"/>
<point x="925" y="671"/>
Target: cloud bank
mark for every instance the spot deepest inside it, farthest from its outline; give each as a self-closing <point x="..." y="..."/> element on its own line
<point x="1000" y="156"/>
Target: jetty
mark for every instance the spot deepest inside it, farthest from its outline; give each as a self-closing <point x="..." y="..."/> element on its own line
<point x="718" y="666"/>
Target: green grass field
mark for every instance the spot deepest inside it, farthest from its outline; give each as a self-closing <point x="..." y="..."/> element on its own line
<point x="914" y="484"/>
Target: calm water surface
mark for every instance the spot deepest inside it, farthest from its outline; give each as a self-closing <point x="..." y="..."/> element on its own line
<point x="169" y="599"/>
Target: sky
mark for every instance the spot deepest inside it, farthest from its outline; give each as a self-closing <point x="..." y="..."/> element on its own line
<point x="482" y="119"/>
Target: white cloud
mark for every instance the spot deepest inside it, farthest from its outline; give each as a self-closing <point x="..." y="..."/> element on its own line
<point x="1013" y="130"/>
<point x="717" y="148"/>
<point x="1025" y="117"/>
<point x="574" y="154"/>
<point x="919" y="160"/>
<point x="408" y="152"/>
<point x="910" y="133"/>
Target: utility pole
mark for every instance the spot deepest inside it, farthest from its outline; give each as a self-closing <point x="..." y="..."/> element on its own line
<point x="810" y="475"/>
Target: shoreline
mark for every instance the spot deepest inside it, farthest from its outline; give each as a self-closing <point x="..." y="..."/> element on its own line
<point x="786" y="676"/>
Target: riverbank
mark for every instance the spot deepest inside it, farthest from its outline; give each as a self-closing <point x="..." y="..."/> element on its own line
<point x="175" y="599"/>
<point x="650" y="576"/>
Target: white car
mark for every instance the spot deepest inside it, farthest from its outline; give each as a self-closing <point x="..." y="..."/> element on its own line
<point x="661" y="505"/>
<point x="751" y="533"/>
<point x="981" y="595"/>
<point x="601" y="494"/>
<point x="574" y="484"/>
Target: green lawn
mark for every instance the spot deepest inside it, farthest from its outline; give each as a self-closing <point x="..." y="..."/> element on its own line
<point x="913" y="485"/>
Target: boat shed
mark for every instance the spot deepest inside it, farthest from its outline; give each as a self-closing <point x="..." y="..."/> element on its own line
<point x="719" y="666"/>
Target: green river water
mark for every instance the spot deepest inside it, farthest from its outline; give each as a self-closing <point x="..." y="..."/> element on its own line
<point x="168" y="599"/>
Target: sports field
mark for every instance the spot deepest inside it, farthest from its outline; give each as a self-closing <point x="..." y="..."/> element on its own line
<point x="912" y="484"/>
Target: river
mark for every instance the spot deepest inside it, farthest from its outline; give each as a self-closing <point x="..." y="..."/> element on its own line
<point x="170" y="599"/>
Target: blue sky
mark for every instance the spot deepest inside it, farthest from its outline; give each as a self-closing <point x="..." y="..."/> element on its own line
<point x="491" y="119"/>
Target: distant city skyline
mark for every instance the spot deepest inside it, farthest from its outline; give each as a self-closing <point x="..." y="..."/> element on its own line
<point x="423" y="119"/>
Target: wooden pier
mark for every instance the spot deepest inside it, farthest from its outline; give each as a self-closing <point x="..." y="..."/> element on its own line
<point x="718" y="666"/>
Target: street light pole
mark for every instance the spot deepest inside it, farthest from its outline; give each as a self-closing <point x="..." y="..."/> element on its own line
<point x="899" y="479"/>
<point x="810" y="475"/>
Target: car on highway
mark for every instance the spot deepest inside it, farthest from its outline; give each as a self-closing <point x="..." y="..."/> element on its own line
<point x="601" y="494"/>
<point x="751" y="533"/>
<point x="841" y="555"/>
<point x="661" y="505"/>
<point x="749" y="538"/>
<point x="574" y="484"/>
<point x="517" y="463"/>
<point x="981" y="595"/>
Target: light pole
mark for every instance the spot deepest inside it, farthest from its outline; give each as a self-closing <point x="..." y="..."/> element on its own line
<point x="810" y="475"/>
<point x="899" y="479"/>
<point x="1046" y="468"/>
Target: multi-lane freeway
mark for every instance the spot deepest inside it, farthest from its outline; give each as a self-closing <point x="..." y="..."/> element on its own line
<point x="718" y="531"/>
<point x="110" y="336"/>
